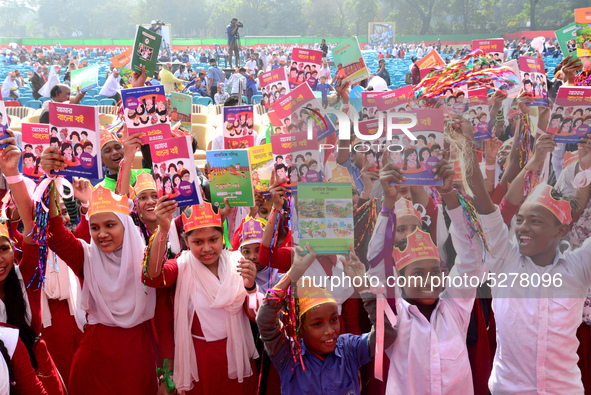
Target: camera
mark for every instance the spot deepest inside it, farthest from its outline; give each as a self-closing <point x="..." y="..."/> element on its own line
<point x="239" y="24"/>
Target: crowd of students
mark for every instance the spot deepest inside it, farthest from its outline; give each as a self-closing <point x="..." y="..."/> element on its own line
<point x="146" y="297"/>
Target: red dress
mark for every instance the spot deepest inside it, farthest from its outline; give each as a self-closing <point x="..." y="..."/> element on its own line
<point x="212" y="360"/>
<point x="110" y="360"/>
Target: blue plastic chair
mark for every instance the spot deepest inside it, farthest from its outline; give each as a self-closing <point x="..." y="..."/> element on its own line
<point x="196" y="98"/>
<point x="44" y="99"/>
<point x="205" y="101"/>
<point x="34" y="104"/>
<point x="244" y="100"/>
<point x="24" y="100"/>
<point x="90" y="102"/>
<point x="219" y="55"/>
<point x="108" y="102"/>
<point x="256" y="99"/>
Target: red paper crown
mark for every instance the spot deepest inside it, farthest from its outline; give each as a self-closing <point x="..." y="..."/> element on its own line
<point x="419" y="246"/>
<point x="310" y="296"/>
<point x="201" y="216"/>
<point x="144" y="182"/>
<point x="404" y="207"/>
<point x="560" y="208"/>
<point x="106" y="137"/>
<point x="4" y="230"/>
<point x="105" y="201"/>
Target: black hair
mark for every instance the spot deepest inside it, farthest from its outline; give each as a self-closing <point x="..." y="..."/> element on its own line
<point x="231" y="101"/>
<point x="54" y="140"/>
<point x="8" y="361"/>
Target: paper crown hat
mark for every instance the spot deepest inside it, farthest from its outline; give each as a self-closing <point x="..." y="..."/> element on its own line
<point x="200" y="216"/>
<point x="419" y="246"/>
<point x="144" y="182"/>
<point x="4" y="230"/>
<point x="105" y="201"/>
<point x="404" y="208"/>
<point x="310" y="296"/>
<point x="252" y="231"/>
<point x="106" y="137"/>
<point x="560" y="208"/>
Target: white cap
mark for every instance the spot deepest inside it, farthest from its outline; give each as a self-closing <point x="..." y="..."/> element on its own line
<point x="378" y="84"/>
<point x="153" y="22"/>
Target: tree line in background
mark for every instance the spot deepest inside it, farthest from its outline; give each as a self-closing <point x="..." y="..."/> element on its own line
<point x="116" y="19"/>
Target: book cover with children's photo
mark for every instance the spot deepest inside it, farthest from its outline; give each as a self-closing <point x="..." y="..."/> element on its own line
<point x="74" y="129"/>
<point x="583" y="21"/>
<point x="567" y="39"/>
<point x="174" y="171"/>
<point x="145" y="111"/>
<point x="418" y="157"/>
<point x="349" y="61"/>
<point x="261" y="163"/>
<point x="325" y="217"/>
<point x="230" y="177"/>
<point x="84" y="78"/>
<point x="238" y="127"/>
<point x="478" y="113"/>
<point x="533" y="78"/>
<point x="145" y="51"/>
<point x="395" y="100"/>
<point x="495" y="47"/>
<point x="570" y="119"/>
<point x="304" y="67"/>
<point x="368" y="123"/>
<point x="35" y="141"/>
<point x="273" y="85"/>
<point x="180" y="110"/>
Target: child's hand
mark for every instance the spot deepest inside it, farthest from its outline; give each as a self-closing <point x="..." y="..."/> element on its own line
<point x="138" y="80"/>
<point x="353" y="267"/>
<point x="225" y="211"/>
<point x="301" y="263"/>
<point x="544" y="145"/>
<point x="164" y="212"/>
<point x="131" y="144"/>
<point x="491" y="149"/>
<point x="248" y="271"/>
<point x="390" y="176"/>
<point x="10" y="155"/>
<point x="52" y="160"/>
<point x="278" y="193"/>
<point x="444" y="171"/>
<point x="369" y="176"/>
<point x="82" y="190"/>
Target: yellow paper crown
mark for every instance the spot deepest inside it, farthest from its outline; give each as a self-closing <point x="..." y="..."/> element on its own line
<point x="201" y="216"/>
<point x="419" y="246"/>
<point x="404" y="207"/>
<point x="542" y="195"/>
<point x="105" y="201"/>
<point x="310" y="296"/>
<point x="144" y="182"/>
<point x="4" y="230"/>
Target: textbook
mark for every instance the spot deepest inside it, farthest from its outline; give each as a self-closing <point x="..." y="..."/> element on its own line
<point x="325" y="217"/>
<point x="296" y="158"/>
<point x="369" y="116"/>
<point x="230" y="177"/>
<point x="85" y="78"/>
<point x="583" y="35"/>
<point x="35" y="141"/>
<point x="396" y="100"/>
<point x="533" y="78"/>
<point x="145" y="51"/>
<point x="146" y="113"/>
<point x="273" y="85"/>
<point x="304" y="67"/>
<point x="349" y="61"/>
<point x="571" y="115"/>
<point x="494" y="47"/>
<point x="174" y="171"/>
<point x="180" y="110"/>
<point x="75" y="130"/>
<point x="567" y="39"/>
<point x="478" y="113"/>
<point x="431" y="60"/>
<point x="238" y="127"/>
<point x="261" y="163"/>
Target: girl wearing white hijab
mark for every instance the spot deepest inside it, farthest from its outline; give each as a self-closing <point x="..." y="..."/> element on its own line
<point x="52" y="81"/>
<point x="10" y="87"/>
<point x="116" y="354"/>
<point x="213" y="341"/>
<point x="112" y="85"/>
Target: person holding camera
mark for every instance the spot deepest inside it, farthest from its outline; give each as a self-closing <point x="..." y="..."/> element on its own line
<point x="232" y="31"/>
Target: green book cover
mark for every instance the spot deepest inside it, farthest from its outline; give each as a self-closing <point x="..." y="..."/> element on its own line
<point x="84" y="78"/>
<point x="181" y="108"/>
<point x="145" y="51"/>
<point x="583" y="21"/>
<point x="567" y="39"/>
<point x="325" y="216"/>
<point x="230" y="177"/>
<point x="349" y="61"/>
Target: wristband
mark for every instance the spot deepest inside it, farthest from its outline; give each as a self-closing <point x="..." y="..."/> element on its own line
<point x="448" y="192"/>
<point x="85" y="205"/>
<point x="13" y="179"/>
<point x="276" y="211"/>
<point x="254" y="286"/>
<point x="490" y="167"/>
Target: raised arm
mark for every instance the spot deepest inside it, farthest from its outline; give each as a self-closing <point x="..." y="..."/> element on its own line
<point x="131" y="144"/>
<point x="156" y="252"/>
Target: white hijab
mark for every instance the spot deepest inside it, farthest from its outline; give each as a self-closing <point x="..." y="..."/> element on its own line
<point x="111" y="86"/>
<point x="219" y="305"/>
<point x="62" y="284"/>
<point x="8" y="86"/>
<point x="9" y="337"/>
<point x="113" y="292"/>
<point x="52" y="81"/>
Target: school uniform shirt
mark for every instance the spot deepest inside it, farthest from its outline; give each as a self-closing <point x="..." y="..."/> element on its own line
<point x="536" y="326"/>
<point x="237" y="84"/>
<point x="430" y="356"/>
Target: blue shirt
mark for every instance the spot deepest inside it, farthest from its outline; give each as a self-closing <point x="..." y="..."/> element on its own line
<point x="324" y="88"/>
<point x="216" y="75"/>
<point x="231" y="36"/>
<point x="338" y="374"/>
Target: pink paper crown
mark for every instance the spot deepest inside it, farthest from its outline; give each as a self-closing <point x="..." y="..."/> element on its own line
<point x="419" y="246"/>
<point x="404" y="207"/>
<point x="201" y="216"/>
<point x="560" y="208"/>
